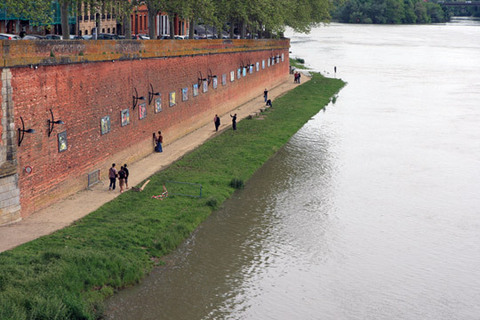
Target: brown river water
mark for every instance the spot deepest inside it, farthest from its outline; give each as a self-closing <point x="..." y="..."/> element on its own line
<point x="371" y="211"/>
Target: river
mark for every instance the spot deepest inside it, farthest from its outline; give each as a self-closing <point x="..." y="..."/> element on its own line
<point x="371" y="211"/>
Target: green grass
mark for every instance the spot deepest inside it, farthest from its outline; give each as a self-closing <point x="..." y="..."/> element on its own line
<point x="298" y="63"/>
<point x="67" y="275"/>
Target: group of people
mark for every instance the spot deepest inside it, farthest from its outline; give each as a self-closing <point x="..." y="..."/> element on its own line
<point x="296" y="77"/>
<point x="216" y="121"/>
<point x="122" y="176"/>
<point x="158" y="140"/>
<point x="268" y="102"/>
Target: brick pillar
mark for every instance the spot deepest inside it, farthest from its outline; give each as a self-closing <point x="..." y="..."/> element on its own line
<point x="9" y="189"/>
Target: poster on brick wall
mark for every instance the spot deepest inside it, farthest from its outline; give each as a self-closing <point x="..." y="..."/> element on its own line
<point x="158" y="104"/>
<point x="232" y="76"/>
<point x="105" y="125"/>
<point x="62" y="141"/>
<point x="125" y="116"/>
<point x="205" y="86"/>
<point x="142" y="111"/>
<point x="184" y="94"/>
<point x="172" y="99"/>
<point x="224" y="79"/>
<point x="195" y="89"/>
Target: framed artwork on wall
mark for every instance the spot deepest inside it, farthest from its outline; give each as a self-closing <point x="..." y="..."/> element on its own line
<point x="205" y="86"/>
<point x="142" y="111"/>
<point x="172" y="99"/>
<point x="224" y="79"/>
<point x="232" y="76"/>
<point x="62" y="141"/>
<point x="195" y="89"/>
<point x="105" y="125"/>
<point x="215" y="82"/>
<point x="158" y="104"/>
<point x="125" y="116"/>
<point x="184" y="94"/>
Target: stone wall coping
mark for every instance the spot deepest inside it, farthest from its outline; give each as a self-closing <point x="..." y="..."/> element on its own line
<point x="21" y="53"/>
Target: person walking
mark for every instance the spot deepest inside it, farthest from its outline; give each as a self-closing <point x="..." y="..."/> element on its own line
<point x="112" y="174"/>
<point x="265" y="95"/>
<point x="216" y="121"/>
<point x="234" y="121"/>
<point x="158" y="141"/>
<point x="121" y="179"/>
<point x="126" y="175"/>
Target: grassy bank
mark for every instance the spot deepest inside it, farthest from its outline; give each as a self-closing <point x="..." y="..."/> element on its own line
<point x="68" y="274"/>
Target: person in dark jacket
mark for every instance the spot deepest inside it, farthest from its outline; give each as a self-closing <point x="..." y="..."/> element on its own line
<point x="121" y="179"/>
<point x="126" y="175"/>
<point x="234" y="121"/>
<point x="112" y="175"/>
<point x="216" y="121"/>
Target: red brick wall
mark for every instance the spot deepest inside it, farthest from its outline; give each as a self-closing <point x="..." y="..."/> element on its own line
<point x="81" y="94"/>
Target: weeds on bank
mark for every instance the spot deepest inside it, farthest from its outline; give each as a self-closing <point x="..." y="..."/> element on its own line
<point x="297" y="63"/>
<point x="68" y="274"/>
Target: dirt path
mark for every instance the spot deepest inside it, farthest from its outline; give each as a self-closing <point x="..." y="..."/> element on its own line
<point x="66" y="211"/>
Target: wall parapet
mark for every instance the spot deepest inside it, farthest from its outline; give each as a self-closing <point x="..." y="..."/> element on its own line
<point x="53" y="52"/>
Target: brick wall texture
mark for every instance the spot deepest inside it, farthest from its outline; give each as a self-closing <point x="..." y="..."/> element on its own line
<point x="81" y="94"/>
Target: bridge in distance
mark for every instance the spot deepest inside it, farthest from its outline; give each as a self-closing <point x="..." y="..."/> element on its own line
<point x="459" y="3"/>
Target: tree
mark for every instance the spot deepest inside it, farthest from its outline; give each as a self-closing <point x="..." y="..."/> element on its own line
<point x="395" y="12"/>
<point x="409" y="9"/>
<point x="302" y="15"/>
<point x="38" y="12"/>
<point x="421" y="13"/>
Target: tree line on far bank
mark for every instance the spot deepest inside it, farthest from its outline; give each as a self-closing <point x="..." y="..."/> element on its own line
<point x="390" y="12"/>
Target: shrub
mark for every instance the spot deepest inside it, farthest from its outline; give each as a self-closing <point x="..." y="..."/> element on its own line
<point x="212" y="202"/>
<point x="236" y="183"/>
